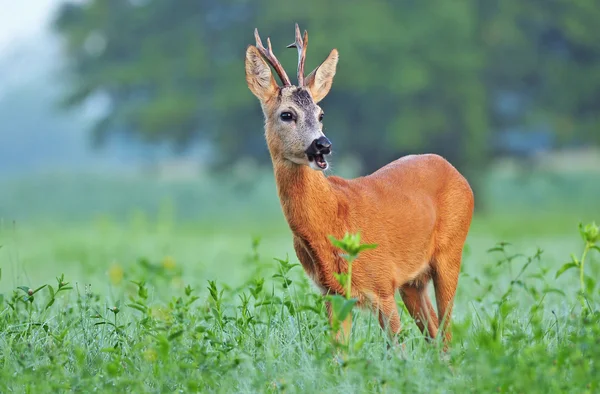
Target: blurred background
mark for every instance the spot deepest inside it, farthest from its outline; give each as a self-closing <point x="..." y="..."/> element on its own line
<point x="127" y="128"/>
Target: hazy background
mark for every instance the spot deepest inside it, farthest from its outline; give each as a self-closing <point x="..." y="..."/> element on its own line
<point x="127" y="128"/>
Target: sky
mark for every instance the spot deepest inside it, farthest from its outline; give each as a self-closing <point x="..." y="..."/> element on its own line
<point x="23" y="20"/>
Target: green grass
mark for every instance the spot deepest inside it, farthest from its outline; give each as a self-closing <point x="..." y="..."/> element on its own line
<point x="215" y="312"/>
<point x="211" y="317"/>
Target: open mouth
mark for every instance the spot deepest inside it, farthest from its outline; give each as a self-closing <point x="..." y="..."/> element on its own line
<point x="319" y="160"/>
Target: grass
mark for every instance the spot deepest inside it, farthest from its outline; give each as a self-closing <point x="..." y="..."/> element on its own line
<point x="174" y="293"/>
<point x="151" y="306"/>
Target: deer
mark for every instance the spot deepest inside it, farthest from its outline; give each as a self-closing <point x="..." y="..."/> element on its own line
<point x="416" y="209"/>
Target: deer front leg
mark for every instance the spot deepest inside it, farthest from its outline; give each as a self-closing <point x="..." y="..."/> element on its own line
<point x="389" y="319"/>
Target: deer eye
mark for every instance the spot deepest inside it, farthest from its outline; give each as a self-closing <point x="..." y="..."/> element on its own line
<point x="321" y="117"/>
<point x="286" y="116"/>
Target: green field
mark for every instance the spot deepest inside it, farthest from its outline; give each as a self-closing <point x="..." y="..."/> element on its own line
<point x="211" y="316"/>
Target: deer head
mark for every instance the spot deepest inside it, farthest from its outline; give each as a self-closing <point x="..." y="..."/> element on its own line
<point x="294" y="121"/>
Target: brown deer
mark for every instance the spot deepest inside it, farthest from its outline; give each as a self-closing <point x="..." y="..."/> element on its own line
<point x="417" y="209"/>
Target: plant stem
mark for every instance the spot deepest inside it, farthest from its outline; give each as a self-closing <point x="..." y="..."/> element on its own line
<point x="581" y="278"/>
<point x="349" y="279"/>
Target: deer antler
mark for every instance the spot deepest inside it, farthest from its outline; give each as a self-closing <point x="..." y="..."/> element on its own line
<point x="301" y="44"/>
<point x="270" y="56"/>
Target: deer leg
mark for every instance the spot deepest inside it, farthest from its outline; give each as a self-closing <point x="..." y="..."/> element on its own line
<point x="419" y="306"/>
<point x="341" y="336"/>
<point x="389" y="319"/>
<point x="445" y="280"/>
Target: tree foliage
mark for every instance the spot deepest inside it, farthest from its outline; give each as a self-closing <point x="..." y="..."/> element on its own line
<point x="413" y="77"/>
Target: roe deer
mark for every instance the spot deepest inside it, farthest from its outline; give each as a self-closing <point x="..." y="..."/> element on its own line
<point x="417" y="209"/>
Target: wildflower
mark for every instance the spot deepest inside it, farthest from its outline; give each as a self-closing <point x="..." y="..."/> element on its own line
<point x="590" y="233"/>
<point x="168" y="263"/>
<point x="115" y="274"/>
<point x="160" y="313"/>
<point x="150" y="355"/>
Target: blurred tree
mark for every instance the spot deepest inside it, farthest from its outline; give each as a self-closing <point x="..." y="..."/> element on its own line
<point x="164" y="68"/>
<point x="413" y="77"/>
<point x="543" y="66"/>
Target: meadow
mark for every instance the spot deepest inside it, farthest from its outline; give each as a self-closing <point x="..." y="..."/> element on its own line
<point x="115" y="285"/>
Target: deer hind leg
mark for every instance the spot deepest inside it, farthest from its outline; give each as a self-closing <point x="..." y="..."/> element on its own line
<point x="419" y="306"/>
<point x="445" y="280"/>
<point x="389" y="319"/>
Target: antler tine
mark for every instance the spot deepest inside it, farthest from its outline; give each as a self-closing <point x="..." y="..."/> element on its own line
<point x="301" y="44"/>
<point x="270" y="56"/>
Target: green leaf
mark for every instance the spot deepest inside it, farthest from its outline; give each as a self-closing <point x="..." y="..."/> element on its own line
<point x="50" y="303"/>
<point x="590" y="233"/>
<point x="590" y="284"/>
<point x="336" y="243"/>
<point x="553" y="290"/>
<point x="39" y="288"/>
<point x="366" y="246"/>
<point x="175" y="335"/>
<point x="342" y="278"/>
<point x="359" y="344"/>
<point x="341" y="306"/>
<point x="500" y="247"/>
<point x="536" y="276"/>
<point x="574" y="259"/>
<point x="285" y="265"/>
<point x="351" y="245"/>
<point x="140" y="308"/>
<point x="581" y="231"/>
<point x="51" y="291"/>
<point x="310" y="308"/>
<point x="565" y="268"/>
<point x="25" y="289"/>
<point x="290" y="307"/>
<point x="346" y="308"/>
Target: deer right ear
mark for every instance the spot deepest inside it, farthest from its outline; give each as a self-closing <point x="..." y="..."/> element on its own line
<point x="319" y="81"/>
<point x="258" y="75"/>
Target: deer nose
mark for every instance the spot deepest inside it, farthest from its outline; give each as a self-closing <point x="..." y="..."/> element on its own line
<point x="323" y="145"/>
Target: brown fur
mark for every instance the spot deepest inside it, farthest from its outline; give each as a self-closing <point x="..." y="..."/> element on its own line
<point x="417" y="209"/>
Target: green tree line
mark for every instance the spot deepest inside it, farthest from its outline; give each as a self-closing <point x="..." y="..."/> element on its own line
<point x="414" y="76"/>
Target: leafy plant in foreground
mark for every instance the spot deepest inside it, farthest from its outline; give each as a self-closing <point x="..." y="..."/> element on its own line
<point x="591" y="236"/>
<point x="341" y="306"/>
<point x="269" y="334"/>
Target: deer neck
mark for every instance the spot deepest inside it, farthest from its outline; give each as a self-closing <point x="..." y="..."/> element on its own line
<point x="307" y="199"/>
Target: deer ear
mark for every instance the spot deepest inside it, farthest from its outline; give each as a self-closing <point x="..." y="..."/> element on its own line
<point x="258" y="75"/>
<point x="319" y="81"/>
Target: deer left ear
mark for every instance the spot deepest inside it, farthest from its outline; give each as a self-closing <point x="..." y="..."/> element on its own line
<point x="258" y="75"/>
<point x="319" y="81"/>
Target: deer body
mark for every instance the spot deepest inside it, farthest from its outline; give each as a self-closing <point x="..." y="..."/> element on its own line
<point x="417" y="209"/>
